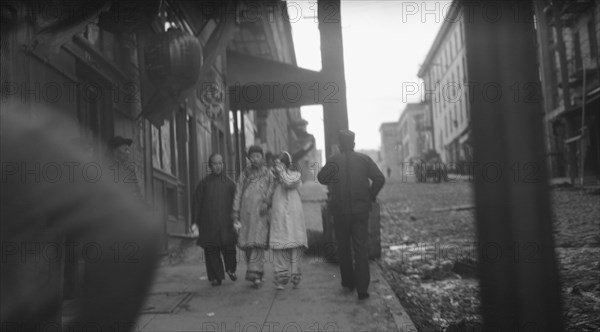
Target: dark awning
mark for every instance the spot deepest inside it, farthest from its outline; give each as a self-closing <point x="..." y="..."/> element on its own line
<point x="257" y="83"/>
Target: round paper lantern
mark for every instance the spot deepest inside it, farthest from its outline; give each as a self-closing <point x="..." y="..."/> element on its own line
<point x="173" y="60"/>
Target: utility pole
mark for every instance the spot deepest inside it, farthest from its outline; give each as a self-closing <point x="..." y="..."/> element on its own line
<point x="333" y="80"/>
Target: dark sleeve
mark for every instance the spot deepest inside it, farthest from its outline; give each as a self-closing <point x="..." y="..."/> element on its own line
<point x="377" y="177"/>
<point x="329" y="173"/>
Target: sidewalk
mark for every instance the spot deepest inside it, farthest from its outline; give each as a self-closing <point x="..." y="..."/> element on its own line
<point x="183" y="300"/>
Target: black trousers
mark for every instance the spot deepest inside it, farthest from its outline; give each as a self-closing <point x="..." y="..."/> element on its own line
<point x="352" y="235"/>
<point x="214" y="262"/>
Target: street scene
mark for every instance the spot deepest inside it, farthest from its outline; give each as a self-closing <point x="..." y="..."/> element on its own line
<point x="311" y="165"/>
<point x="430" y="255"/>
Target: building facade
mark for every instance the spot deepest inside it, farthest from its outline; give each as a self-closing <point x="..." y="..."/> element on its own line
<point x="568" y="37"/>
<point x="104" y="77"/>
<point x="414" y="132"/>
<point x="390" y="146"/>
<point x="159" y="77"/>
<point x="444" y="76"/>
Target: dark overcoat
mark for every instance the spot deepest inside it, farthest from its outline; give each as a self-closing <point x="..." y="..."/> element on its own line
<point x="213" y="202"/>
<point x="353" y="180"/>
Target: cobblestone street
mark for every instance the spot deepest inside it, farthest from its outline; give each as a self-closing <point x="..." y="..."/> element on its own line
<point x="429" y="253"/>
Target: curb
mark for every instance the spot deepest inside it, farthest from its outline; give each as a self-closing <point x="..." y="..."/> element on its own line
<point x="402" y="320"/>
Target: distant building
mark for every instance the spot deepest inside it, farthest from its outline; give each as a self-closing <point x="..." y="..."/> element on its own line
<point x="568" y="38"/>
<point x="414" y="132"/>
<point x="444" y="74"/>
<point x="389" y="148"/>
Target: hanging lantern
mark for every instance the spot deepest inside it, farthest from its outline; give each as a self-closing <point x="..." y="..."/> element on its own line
<point x="173" y="60"/>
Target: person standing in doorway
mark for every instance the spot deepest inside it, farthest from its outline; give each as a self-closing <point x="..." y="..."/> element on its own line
<point x="250" y="213"/>
<point x="288" y="231"/>
<point x="121" y="168"/>
<point x="213" y="202"/>
<point x="347" y="175"/>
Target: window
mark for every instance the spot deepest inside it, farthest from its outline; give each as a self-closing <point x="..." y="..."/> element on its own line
<point x="163" y="146"/>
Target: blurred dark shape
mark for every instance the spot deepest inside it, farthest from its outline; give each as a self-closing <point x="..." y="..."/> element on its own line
<point x="50" y="188"/>
<point x="129" y="15"/>
<point x="117" y="141"/>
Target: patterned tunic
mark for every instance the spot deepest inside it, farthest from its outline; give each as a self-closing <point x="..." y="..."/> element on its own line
<point x="252" y="190"/>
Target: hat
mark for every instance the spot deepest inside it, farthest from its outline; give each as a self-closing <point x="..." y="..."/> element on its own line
<point x="255" y="149"/>
<point x="346" y="137"/>
<point x="117" y="141"/>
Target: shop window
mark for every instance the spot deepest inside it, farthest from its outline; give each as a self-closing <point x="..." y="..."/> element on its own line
<point x="163" y="146"/>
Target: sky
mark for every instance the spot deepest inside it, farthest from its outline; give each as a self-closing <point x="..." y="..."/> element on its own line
<point x="384" y="44"/>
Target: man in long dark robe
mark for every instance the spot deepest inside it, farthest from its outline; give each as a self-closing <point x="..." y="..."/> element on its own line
<point x="212" y="214"/>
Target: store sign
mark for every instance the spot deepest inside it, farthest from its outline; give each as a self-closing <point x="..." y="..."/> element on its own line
<point x="212" y="97"/>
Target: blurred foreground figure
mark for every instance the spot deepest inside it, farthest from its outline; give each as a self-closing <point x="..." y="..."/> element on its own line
<point x="50" y="188"/>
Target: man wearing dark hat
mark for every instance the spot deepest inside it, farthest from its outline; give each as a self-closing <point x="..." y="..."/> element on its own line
<point x="120" y="168"/>
<point x="347" y="176"/>
<point x="252" y="200"/>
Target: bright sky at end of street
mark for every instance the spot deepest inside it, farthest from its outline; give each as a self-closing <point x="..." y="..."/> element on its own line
<point x="384" y="44"/>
